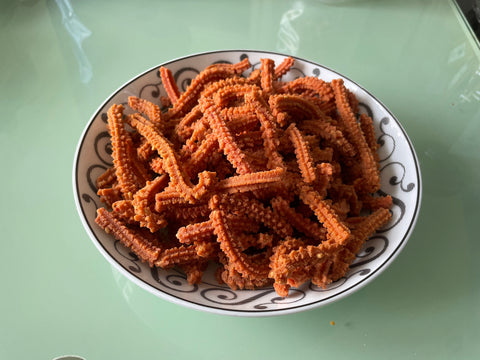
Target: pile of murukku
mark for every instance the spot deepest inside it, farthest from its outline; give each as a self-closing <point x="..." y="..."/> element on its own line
<point x="276" y="182"/>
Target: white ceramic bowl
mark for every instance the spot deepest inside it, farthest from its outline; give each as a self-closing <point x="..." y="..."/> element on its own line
<point x="400" y="177"/>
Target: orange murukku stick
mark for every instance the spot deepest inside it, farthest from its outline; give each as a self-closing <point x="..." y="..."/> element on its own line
<point x="122" y="148"/>
<point x="146" y="249"/>
<point x="106" y="179"/>
<point x="169" y="84"/>
<point x="236" y="257"/>
<point x="195" y="232"/>
<point x="324" y="178"/>
<point x="199" y="158"/>
<point x="310" y="85"/>
<point x="370" y="182"/>
<point x="166" y="151"/>
<point x="210" y="74"/>
<point x="302" y="152"/>
<point x="298" y="221"/>
<point x="177" y="255"/>
<point x="230" y="94"/>
<point x="145" y="151"/>
<point x="124" y="210"/>
<point x="215" y="86"/>
<point x="267" y="75"/>
<point x="148" y="108"/>
<point x="251" y="182"/>
<point x="336" y="229"/>
<point x="293" y="263"/>
<point x="240" y="118"/>
<point x="188" y="212"/>
<point x="366" y="124"/>
<point x="268" y="128"/>
<point x="332" y="134"/>
<point x="144" y="204"/>
<point x="254" y="209"/>
<point x="110" y="195"/>
<point x="225" y="138"/>
<point x="371" y="223"/>
<point x="294" y="107"/>
<point x="284" y="67"/>
<point x="185" y="126"/>
<point x="231" y="277"/>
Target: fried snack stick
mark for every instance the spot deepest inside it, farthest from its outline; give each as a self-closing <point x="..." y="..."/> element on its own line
<point x="144" y="203"/>
<point x="239" y="260"/>
<point x="124" y="211"/>
<point x="129" y="178"/>
<point x="332" y="134"/>
<point x="157" y="165"/>
<point x="293" y="107"/>
<point x="367" y="228"/>
<point x="188" y="213"/>
<point x="225" y="139"/>
<point x="250" y="182"/>
<point x="240" y="118"/>
<point x="177" y="176"/>
<point x="267" y="75"/>
<point x="298" y="221"/>
<point x="169" y="197"/>
<point x="346" y="192"/>
<point x="195" y="232"/>
<point x="284" y="67"/>
<point x="176" y="256"/>
<point x="336" y="230"/>
<point x="145" y="151"/>
<point x="217" y="86"/>
<point x="364" y="228"/>
<point x="201" y="130"/>
<point x="252" y="209"/>
<point x="107" y="179"/>
<point x="231" y="95"/>
<point x="110" y="195"/>
<point x="185" y="127"/>
<point x="202" y="231"/>
<point x="302" y="152"/>
<point x="309" y="85"/>
<point x="370" y="181"/>
<point x="200" y="157"/>
<point x="228" y="275"/>
<point x="292" y="264"/>
<point x="366" y="124"/>
<point x="212" y="73"/>
<point x="148" y="108"/>
<point x="169" y="85"/>
<point x="147" y="250"/>
<point x="268" y="127"/>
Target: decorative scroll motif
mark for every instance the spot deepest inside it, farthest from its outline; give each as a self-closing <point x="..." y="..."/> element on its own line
<point x="213" y="295"/>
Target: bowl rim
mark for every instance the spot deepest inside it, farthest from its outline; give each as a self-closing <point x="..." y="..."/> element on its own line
<point x="239" y="312"/>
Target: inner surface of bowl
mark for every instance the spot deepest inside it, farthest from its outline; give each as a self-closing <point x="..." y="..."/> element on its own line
<point x="399" y="171"/>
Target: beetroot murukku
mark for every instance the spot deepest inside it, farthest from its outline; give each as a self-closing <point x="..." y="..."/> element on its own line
<point x="273" y="181"/>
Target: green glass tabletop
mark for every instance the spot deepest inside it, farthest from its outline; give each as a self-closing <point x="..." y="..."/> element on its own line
<point x="61" y="59"/>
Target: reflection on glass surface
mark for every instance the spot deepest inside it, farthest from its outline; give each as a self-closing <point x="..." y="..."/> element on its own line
<point x="79" y="32"/>
<point x="288" y="39"/>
